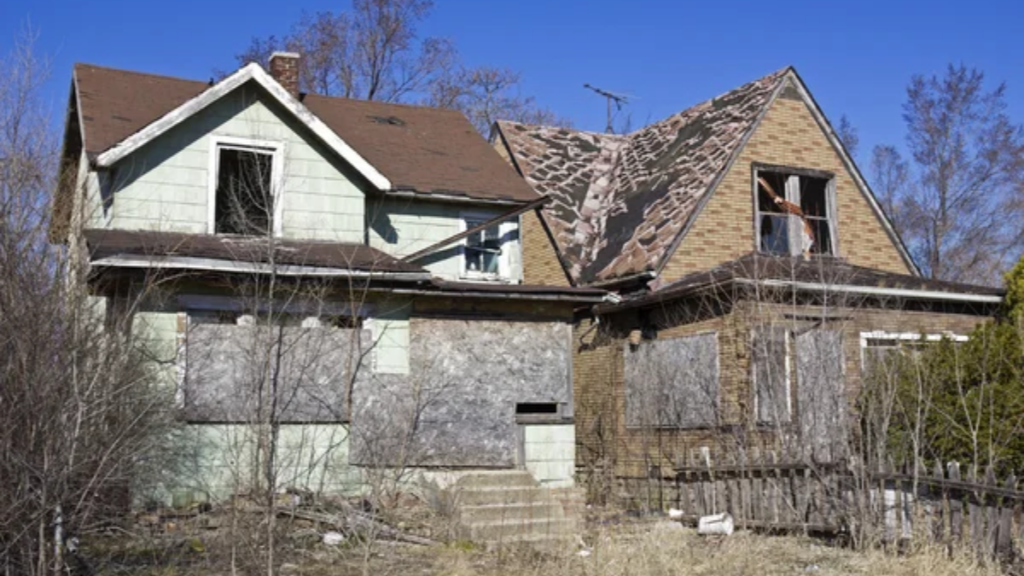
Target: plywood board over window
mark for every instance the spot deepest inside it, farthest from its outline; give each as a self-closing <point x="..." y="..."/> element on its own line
<point x="770" y="373"/>
<point x="673" y="383"/>
<point x="820" y="400"/>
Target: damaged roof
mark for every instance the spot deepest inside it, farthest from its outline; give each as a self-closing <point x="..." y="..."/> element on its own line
<point x="621" y="202"/>
<point x="112" y="244"/>
<point x="419" y="149"/>
<point x="816" y="271"/>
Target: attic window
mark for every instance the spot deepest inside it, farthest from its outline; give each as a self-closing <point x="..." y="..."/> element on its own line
<point x="795" y="212"/>
<point x="244" y="188"/>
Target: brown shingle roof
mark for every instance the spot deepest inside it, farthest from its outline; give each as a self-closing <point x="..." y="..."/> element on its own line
<point x="425" y="150"/>
<point x="109" y="243"/>
<point x="620" y="202"/>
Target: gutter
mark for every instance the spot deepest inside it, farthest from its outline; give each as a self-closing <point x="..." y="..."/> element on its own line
<point x="450" y="198"/>
<point x="648" y="275"/>
<point x="214" y="265"/>
<point x="498" y="295"/>
<point x="875" y="291"/>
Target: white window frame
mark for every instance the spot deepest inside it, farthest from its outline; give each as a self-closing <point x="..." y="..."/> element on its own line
<point x="906" y="337"/>
<point x="791" y="193"/>
<point x="789" y="381"/>
<point x="276" y="150"/>
<point x="504" y="259"/>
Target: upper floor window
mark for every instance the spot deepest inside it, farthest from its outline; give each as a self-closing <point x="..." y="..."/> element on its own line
<point x="485" y="253"/>
<point x="795" y="212"/>
<point x="245" y="181"/>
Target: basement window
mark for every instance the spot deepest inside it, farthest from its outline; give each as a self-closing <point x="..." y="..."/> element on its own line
<point x="245" y="179"/>
<point x="539" y="413"/>
<point x="795" y="212"/>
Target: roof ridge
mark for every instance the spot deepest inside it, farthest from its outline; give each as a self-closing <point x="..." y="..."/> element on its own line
<point x="781" y="72"/>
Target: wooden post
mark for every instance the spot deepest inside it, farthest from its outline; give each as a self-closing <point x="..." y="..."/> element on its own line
<point x="975" y="514"/>
<point x="991" y="514"/>
<point x="1004" y="538"/>
<point x="938" y="508"/>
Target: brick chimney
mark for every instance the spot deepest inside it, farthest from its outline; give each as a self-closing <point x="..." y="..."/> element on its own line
<point x="284" y="67"/>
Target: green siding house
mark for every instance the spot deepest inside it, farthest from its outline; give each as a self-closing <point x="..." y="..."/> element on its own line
<point x="348" y="273"/>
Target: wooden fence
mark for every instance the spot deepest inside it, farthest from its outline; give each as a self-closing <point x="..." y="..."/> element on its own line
<point x="945" y="505"/>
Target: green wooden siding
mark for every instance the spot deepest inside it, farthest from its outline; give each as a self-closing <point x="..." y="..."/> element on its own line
<point x="404" y="226"/>
<point x="165" y="184"/>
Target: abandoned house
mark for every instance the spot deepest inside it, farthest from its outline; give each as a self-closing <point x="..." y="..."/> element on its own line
<point x="759" y="279"/>
<point x="349" y="271"/>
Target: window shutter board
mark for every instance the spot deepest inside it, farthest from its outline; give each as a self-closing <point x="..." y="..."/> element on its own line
<point x="821" y="404"/>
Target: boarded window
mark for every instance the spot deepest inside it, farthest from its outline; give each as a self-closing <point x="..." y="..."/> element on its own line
<point x="820" y="400"/>
<point x="673" y="383"/>
<point x="299" y="370"/>
<point x="770" y="369"/>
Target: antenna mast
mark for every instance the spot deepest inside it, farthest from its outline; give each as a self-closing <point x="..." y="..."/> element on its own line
<point x="618" y="99"/>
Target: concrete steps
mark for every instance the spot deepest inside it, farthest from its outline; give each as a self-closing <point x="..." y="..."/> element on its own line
<point x="509" y="506"/>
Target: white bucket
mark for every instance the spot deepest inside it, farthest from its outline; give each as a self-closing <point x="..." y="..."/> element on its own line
<point x="716" y="524"/>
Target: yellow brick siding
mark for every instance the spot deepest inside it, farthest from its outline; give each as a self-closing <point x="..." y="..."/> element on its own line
<point x="788" y="136"/>
<point x="603" y="440"/>
<point x="540" y="259"/>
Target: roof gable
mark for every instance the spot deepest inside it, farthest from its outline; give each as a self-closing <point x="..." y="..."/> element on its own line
<point x="397" y="147"/>
<point x="250" y="72"/>
<point x="622" y="201"/>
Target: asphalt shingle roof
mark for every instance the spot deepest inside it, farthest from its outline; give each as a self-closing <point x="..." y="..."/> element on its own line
<point x="420" y="149"/>
<point x="620" y="202"/>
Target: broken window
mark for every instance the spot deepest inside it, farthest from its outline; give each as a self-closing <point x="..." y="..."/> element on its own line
<point x="483" y="250"/>
<point x="770" y="371"/>
<point x="673" y="383"/>
<point x="244" y="202"/>
<point x="795" y="213"/>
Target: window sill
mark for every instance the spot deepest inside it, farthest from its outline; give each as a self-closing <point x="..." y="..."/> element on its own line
<point x="485" y="279"/>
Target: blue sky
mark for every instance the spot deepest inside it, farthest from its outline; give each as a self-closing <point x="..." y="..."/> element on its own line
<point x="856" y="56"/>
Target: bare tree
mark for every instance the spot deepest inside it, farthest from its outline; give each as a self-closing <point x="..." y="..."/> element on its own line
<point x="374" y="52"/>
<point x="890" y="177"/>
<point x="848" y="135"/>
<point x="969" y="158"/>
<point x="84" y="418"/>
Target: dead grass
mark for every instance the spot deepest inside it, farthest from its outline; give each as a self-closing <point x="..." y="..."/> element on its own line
<point x="618" y="548"/>
<point x="657" y="549"/>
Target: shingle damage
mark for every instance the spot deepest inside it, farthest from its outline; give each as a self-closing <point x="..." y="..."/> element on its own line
<point x="619" y="202"/>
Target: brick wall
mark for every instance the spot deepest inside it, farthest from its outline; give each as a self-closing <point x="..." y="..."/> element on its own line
<point x="540" y="259"/>
<point x="603" y="440"/>
<point x="788" y="136"/>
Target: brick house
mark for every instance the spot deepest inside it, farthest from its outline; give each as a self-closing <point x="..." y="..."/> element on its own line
<point x="390" y="235"/>
<point x="757" y="273"/>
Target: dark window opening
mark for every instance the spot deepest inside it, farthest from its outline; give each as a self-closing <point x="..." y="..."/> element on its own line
<point x="344" y="322"/>
<point x="794" y="214"/>
<point x="244" y="203"/>
<point x="537" y="408"/>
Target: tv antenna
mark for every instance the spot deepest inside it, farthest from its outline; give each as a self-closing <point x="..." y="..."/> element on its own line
<point x="611" y="97"/>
